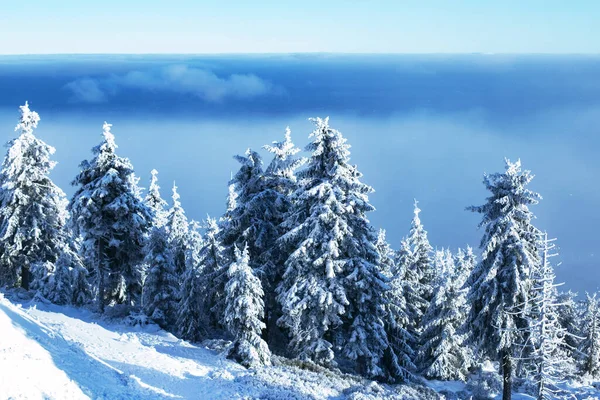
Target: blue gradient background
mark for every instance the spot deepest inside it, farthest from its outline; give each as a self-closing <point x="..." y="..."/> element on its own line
<point x="424" y="126"/>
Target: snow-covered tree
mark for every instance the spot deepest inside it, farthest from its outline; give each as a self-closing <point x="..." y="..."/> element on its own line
<point x="192" y="316"/>
<point x="590" y="345"/>
<point x="367" y="341"/>
<point x="178" y="232"/>
<point x="244" y="310"/>
<point x="110" y="216"/>
<point x="464" y="261"/>
<point x="548" y="359"/>
<point x="161" y="288"/>
<point x="500" y="284"/>
<point x="204" y="290"/>
<point x="332" y="265"/>
<point x="408" y="282"/>
<point x="32" y="208"/>
<point x="155" y="202"/>
<point x="398" y="358"/>
<point x="420" y="273"/>
<point x="278" y="184"/>
<point x="569" y="316"/>
<point x="64" y="281"/>
<point x="443" y="354"/>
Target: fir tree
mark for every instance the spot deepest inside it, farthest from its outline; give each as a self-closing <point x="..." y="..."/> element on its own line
<point x="278" y="184"/>
<point x="178" y="231"/>
<point x="420" y="272"/>
<point x="590" y="345"/>
<point x="113" y="221"/>
<point x="244" y="310"/>
<point x="500" y="284"/>
<point x="548" y="359"/>
<point x="192" y="318"/>
<point x="399" y="355"/>
<point x="443" y="354"/>
<point x="155" y="202"/>
<point x="464" y="261"/>
<point x="332" y="266"/>
<point x="32" y="207"/>
<point x="213" y="275"/>
<point x="410" y="291"/>
<point x="62" y="282"/>
<point x="159" y="297"/>
<point x="569" y="317"/>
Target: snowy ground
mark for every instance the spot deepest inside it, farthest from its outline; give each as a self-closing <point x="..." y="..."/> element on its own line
<point x="47" y="351"/>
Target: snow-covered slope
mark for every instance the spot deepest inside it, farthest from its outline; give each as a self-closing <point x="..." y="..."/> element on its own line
<point x="47" y="351"/>
<point x="53" y="352"/>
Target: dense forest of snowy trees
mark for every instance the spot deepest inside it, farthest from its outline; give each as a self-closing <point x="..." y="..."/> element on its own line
<point x="293" y="267"/>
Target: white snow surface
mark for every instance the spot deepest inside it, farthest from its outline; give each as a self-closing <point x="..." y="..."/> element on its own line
<point x="58" y="352"/>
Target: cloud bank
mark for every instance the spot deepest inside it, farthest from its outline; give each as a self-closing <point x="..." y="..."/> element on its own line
<point x="178" y="79"/>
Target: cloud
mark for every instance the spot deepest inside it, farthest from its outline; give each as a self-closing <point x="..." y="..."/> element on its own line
<point x="86" y="91"/>
<point x="201" y="83"/>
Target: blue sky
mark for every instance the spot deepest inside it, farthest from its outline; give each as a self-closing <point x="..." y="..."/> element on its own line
<point x="188" y="26"/>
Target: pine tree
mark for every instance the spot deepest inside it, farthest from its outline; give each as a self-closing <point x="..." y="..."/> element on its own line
<point x="178" y="232"/>
<point x="213" y="266"/>
<point x="464" y="261"/>
<point x="443" y="354"/>
<point x="81" y="289"/>
<point x="192" y="316"/>
<point x="332" y="267"/>
<point x="548" y="359"/>
<point x="32" y="208"/>
<point x="590" y="345"/>
<point x="278" y="184"/>
<point x="410" y="291"/>
<point x="160" y="294"/>
<point x="399" y="355"/>
<point x="110" y="216"/>
<point x="155" y="202"/>
<point x="500" y="284"/>
<point x="569" y="317"/>
<point x="244" y="311"/>
<point x="420" y="273"/>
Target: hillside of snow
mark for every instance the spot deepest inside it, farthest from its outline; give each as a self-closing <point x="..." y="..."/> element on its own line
<point x="54" y="352"/>
<point x="47" y="351"/>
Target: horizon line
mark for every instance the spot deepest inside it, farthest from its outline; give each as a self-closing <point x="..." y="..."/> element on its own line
<point x="302" y="53"/>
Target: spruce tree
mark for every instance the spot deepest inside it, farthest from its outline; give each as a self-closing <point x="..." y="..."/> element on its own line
<point x="548" y="359"/>
<point x="110" y="216"/>
<point x="244" y="310"/>
<point x="398" y="358"/>
<point x="332" y="267"/>
<point x="160" y="294"/>
<point x="64" y="281"/>
<point x="278" y="184"/>
<point x="178" y="232"/>
<point x="213" y="265"/>
<point x="569" y="316"/>
<point x="590" y="345"/>
<point x="410" y="291"/>
<point x="443" y="354"/>
<point x="192" y="315"/>
<point x="32" y="208"/>
<point x="155" y="202"/>
<point x="500" y="284"/>
<point x="420" y="272"/>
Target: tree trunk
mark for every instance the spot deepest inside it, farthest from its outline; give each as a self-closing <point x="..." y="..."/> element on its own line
<point x="506" y="376"/>
<point x="25" y="278"/>
<point x="100" y="269"/>
<point x="265" y="332"/>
